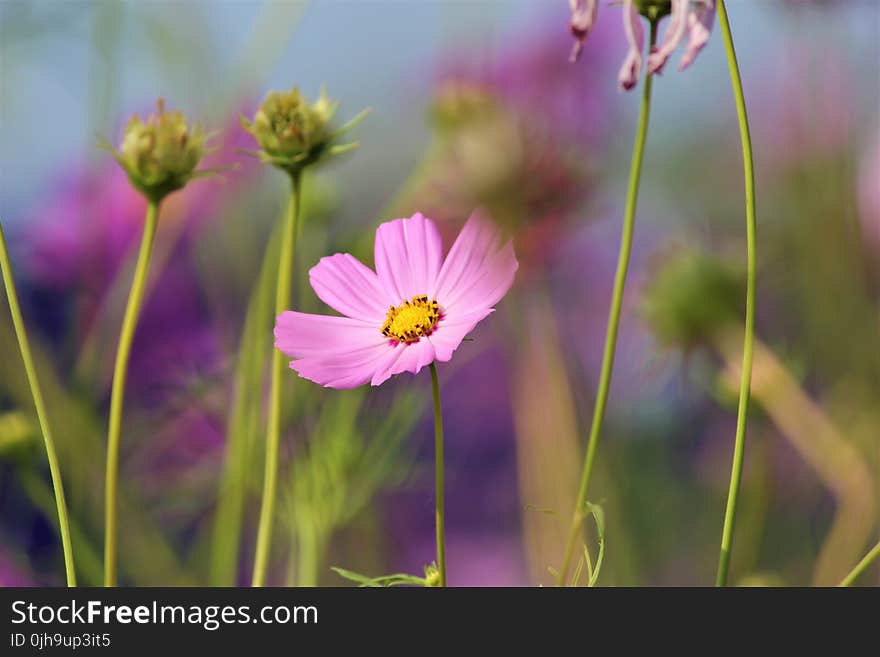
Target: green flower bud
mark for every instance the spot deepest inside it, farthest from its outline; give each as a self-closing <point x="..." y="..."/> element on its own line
<point x="458" y="104"/>
<point x="293" y="134"/>
<point x="690" y="297"/>
<point x="432" y="576"/>
<point x="17" y="432"/>
<point x="160" y="155"/>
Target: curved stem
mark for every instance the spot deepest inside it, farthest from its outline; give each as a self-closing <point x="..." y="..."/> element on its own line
<point x="120" y="370"/>
<point x="439" y="502"/>
<point x="749" y="340"/>
<point x="613" y="320"/>
<point x="861" y="567"/>
<point x="36" y="392"/>
<point x="273" y="429"/>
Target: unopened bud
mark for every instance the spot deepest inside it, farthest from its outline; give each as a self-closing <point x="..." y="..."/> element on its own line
<point x="292" y="133"/>
<point x="690" y="297"/>
<point x="160" y="155"/>
<point x="432" y="576"/>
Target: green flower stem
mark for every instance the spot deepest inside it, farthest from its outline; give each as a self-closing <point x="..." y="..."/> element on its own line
<point x="861" y="567"/>
<point x="308" y="554"/>
<point x="749" y="340"/>
<point x="30" y="369"/>
<point x="635" y="172"/>
<point x="273" y="430"/>
<point x="438" y="476"/>
<point x="120" y="371"/>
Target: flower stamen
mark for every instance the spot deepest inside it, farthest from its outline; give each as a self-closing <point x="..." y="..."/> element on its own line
<point x="412" y="320"/>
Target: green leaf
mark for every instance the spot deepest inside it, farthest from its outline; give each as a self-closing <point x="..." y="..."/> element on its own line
<point x="360" y="116"/>
<point x="343" y="148"/>
<point x="243" y="422"/>
<point x="599" y="516"/>
<point x="383" y="581"/>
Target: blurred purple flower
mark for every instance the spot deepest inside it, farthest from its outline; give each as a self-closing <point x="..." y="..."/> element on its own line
<point x="527" y="79"/>
<point x="517" y="132"/>
<point x="10" y="574"/>
<point x="808" y="114"/>
<point x="79" y="236"/>
<point x="486" y="560"/>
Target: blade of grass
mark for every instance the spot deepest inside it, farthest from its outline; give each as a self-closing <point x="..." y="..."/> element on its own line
<point x="244" y="419"/>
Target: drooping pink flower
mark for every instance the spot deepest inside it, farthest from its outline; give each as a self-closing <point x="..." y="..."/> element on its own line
<point x="699" y="26"/>
<point x="635" y="36"/>
<point x="414" y="309"/>
<point x="583" y="17"/>
<point x="694" y="17"/>
<point x="675" y="29"/>
<point x="691" y="17"/>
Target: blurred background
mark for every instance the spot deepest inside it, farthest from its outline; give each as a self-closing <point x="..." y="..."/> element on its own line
<point x="473" y="103"/>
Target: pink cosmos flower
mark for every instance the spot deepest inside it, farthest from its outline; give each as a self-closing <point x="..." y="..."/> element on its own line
<point x="414" y="309"/>
<point x="691" y="17"/>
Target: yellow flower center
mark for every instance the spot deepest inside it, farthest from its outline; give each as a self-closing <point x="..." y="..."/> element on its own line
<point x="411" y="320"/>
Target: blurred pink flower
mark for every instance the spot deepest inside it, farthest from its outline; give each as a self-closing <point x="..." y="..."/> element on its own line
<point x="519" y="138"/>
<point x="526" y="78"/>
<point x="810" y="114"/>
<point x="10" y="574"/>
<point x="414" y="309"/>
<point x="869" y="192"/>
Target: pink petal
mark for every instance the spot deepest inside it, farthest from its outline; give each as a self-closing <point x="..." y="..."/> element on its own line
<point x="635" y="36"/>
<point x="671" y="36"/>
<point x="478" y="270"/>
<point x="408" y="256"/>
<point x="450" y="332"/>
<point x="405" y="357"/>
<point x="487" y="287"/>
<point x="699" y="23"/>
<point x="302" y="335"/>
<point x="350" y="287"/>
<point x="343" y="370"/>
<point x="583" y="17"/>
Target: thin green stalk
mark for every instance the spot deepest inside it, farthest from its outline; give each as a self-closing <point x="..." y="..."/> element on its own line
<point x="273" y="430"/>
<point x="439" y="501"/>
<point x="117" y="395"/>
<point x="629" y="216"/>
<point x="308" y="554"/>
<point x="749" y="341"/>
<point x="36" y="392"/>
<point x="861" y="567"/>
